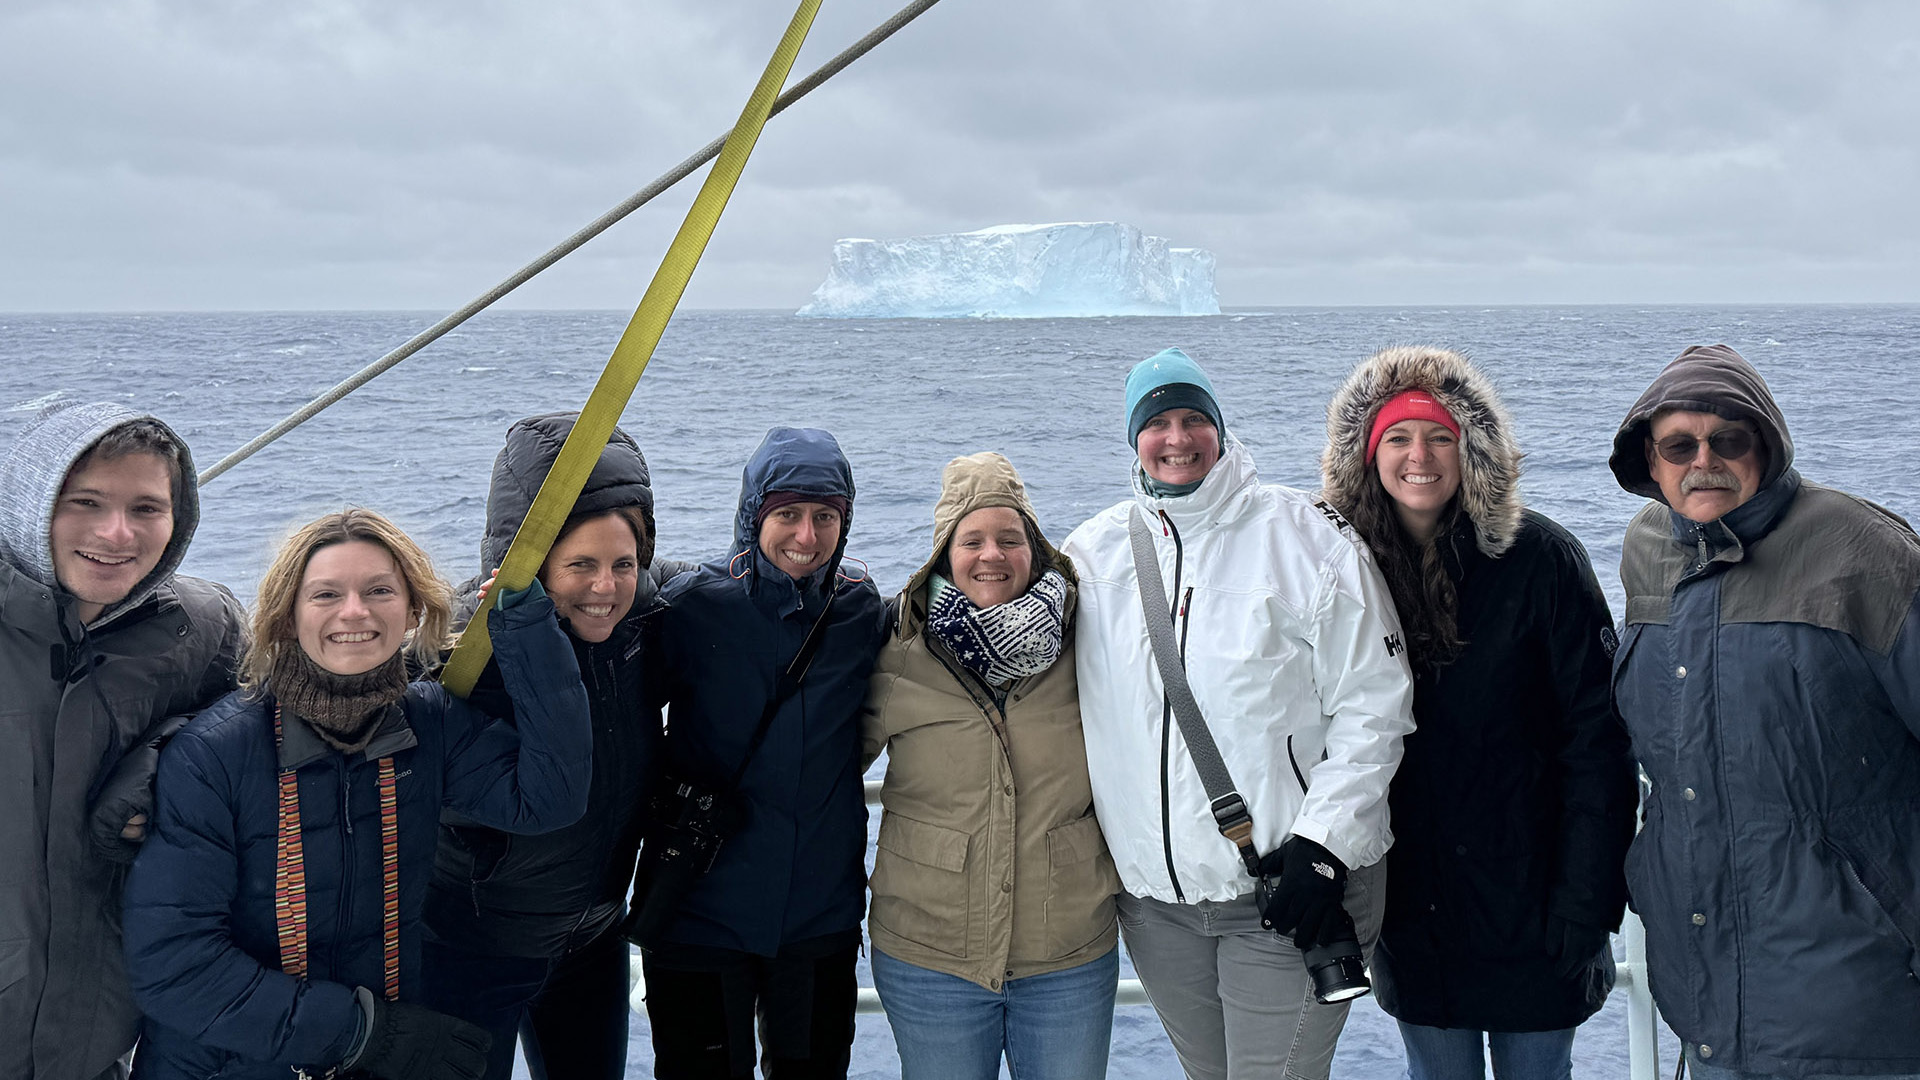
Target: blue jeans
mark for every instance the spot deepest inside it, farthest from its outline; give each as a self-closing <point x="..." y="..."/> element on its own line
<point x="1055" y="1026"/>
<point x="1461" y="1053"/>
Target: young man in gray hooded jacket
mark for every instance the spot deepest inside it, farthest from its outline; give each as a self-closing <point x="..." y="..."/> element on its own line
<point x="101" y="646"/>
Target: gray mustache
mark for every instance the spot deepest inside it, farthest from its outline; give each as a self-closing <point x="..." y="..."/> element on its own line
<point x="1710" y="480"/>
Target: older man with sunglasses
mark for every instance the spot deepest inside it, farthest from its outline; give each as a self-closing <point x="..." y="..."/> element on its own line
<point x="1770" y="676"/>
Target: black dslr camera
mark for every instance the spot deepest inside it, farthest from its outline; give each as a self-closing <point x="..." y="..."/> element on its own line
<point x="687" y="824"/>
<point x="1338" y="969"/>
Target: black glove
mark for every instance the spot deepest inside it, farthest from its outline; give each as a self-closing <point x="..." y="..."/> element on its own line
<point x="408" y="1042"/>
<point x="1573" y="945"/>
<point x="127" y="793"/>
<point x="1305" y="884"/>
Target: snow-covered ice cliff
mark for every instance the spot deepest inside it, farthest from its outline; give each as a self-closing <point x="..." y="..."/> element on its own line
<point x="1077" y="268"/>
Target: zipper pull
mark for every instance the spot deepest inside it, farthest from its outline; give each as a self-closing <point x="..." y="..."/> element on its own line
<point x="1186" y="599"/>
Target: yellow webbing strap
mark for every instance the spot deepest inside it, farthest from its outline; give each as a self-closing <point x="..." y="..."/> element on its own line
<point x="609" y="398"/>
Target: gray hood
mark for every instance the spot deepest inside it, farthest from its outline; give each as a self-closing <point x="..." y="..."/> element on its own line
<point x="35" y="468"/>
<point x="1710" y="379"/>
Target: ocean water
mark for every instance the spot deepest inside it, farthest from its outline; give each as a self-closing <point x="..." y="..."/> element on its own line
<point x="904" y="396"/>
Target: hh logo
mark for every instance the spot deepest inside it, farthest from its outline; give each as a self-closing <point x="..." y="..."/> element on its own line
<point x="1394" y="648"/>
<point x="1332" y="515"/>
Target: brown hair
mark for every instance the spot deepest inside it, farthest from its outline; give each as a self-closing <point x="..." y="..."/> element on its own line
<point x="1423" y="591"/>
<point x="1036" y="543"/>
<point x="429" y="598"/>
<point x="143" y="436"/>
<point x="634" y="516"/>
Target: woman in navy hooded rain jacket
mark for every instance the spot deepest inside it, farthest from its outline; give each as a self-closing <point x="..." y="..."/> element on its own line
<point x="773" y="929"/>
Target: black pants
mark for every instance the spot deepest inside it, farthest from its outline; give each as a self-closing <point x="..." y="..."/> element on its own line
<point x="703" y="1005"/>
<point x="570" y="1012"/>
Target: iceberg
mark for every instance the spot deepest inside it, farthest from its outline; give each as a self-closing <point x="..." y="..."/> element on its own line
<point x="1066" y="269"/>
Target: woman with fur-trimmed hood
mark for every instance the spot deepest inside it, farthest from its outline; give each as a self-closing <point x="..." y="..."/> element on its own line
<point x="1513" y="806"/>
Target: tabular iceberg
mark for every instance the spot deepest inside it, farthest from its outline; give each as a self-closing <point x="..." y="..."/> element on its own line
<point x="1076" y="268"/>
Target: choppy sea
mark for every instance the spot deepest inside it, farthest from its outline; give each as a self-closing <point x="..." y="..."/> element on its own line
<point x="904" y="396"/>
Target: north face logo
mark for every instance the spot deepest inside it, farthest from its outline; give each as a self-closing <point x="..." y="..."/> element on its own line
<point x="1394" y="648"/>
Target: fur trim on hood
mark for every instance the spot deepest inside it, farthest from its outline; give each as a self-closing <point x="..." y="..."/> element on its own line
<point x="1489" y="457"/>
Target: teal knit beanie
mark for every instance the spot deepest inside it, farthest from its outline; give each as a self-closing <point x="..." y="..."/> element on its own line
<point x="1169" y="379"/>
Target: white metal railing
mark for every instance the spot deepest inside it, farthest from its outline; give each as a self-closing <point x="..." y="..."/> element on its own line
<point x="1643" y="1019"/>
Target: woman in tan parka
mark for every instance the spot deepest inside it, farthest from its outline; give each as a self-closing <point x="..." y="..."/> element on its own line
<point x="993" y="894"/>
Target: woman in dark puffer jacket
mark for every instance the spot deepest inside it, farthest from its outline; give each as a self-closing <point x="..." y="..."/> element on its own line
<point x="522" y="931"/>
<point x="1513" y="806"/>
<point x="272" y="918"/>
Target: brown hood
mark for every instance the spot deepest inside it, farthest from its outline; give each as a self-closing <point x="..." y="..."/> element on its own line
<point x="975" y="482"/>
<point x="1489" y="457"/>
<point x="1710" y="379"/>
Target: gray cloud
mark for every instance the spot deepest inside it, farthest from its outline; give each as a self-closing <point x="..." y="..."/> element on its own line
<point x="341" y="153"/>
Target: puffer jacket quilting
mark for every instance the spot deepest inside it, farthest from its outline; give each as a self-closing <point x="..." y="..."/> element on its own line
<point x="542" y="896"/>
<point x="201" y="933"/>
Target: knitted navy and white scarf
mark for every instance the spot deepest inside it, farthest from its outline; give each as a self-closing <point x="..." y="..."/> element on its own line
<point x="1007" y="641"/>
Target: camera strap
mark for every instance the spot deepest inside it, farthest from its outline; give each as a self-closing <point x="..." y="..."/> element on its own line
<point x="1223" y="798"/>
<point x="785" y="687"/>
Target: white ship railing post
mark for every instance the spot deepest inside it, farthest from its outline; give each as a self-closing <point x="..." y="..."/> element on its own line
<point x="1643" y="1018"/>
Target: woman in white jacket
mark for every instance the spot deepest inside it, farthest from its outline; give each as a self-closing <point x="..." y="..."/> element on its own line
<point x="1289" y="641"/>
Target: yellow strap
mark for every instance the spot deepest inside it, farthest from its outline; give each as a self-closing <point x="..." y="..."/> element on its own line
<point x="609" y="399"/>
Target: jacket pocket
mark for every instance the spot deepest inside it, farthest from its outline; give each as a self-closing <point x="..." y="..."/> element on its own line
<point x="921" y="891"/>
<point x="1869" y="877"/>
<point x="1081" y="884"/>
<point x="1817" y="921"/>
<point x="13" y="963"/>
<point x="486" y="848"/>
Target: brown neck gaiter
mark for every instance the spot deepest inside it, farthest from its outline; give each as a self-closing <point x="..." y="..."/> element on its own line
<point x="344" y="710"/>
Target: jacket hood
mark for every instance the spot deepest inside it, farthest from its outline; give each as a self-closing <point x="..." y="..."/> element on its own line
<point x="1706" y="378"/>
<point x="1489" y="456"/>
<point x="803" y="460"/>
<point x="978" y="482"/>
<point x="619" y="478"/>
<point x="36" y="467"/>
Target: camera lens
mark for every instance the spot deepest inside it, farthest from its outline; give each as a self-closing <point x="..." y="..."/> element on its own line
<point x="1339" y="973"/>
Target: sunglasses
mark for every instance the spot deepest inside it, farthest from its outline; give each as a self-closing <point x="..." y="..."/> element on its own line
<point x="1727" y="444"/>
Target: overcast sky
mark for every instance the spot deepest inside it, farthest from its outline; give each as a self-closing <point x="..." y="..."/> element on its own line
<point x="249" y="154"/>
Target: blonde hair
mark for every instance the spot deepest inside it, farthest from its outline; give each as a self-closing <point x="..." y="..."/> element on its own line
<point x="428" y="596"/>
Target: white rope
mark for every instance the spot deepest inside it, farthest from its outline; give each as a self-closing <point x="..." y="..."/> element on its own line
<point x="561" y="250"/>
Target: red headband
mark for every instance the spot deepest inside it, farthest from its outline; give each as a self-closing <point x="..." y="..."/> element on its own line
<point x="1409" y="405"/>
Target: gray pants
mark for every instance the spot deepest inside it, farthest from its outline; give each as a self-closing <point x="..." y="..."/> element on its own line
<point x="1235" y="998"/>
